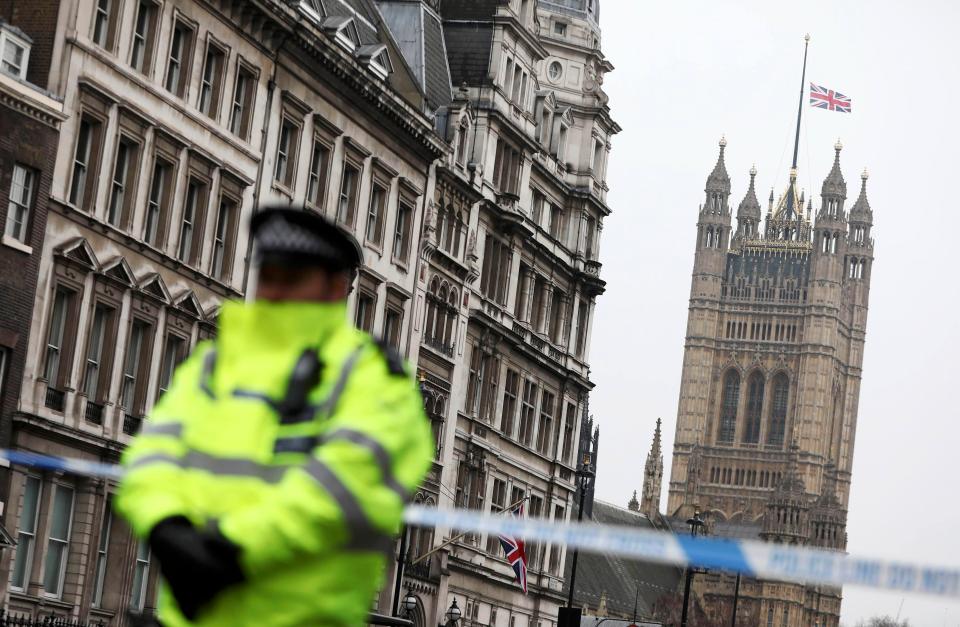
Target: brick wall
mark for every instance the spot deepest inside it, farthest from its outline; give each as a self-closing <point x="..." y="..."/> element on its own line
<point x="33" y="144"/>
<point x="37" y="18"/>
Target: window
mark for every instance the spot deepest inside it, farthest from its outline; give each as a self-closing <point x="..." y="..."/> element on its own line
<point x="535" y="550"/>
<point x="144" y="33"/>
<point x="401" y="232"/>
<point x="141" y="573"/>
<point x="349" y="188"/>
<point x="211" y="81"/>
<point x="557" y="316"/>
<point x="124" y="175"/>
<point x="556" y="550"/>
<point x="498" y="502"/>
<point x="392" y="326"/>
<point x="583" y="324"/>
<point x="528" y="409"/>
<point x="59" y="541"/>
<point x="287" y="153"/>
<point x="366" y="304"/>
<point x="462" y="138"/>
<point x="15" y="55"/>
<point x="728" y="407"/>
<point x="57" y="351"/>
<point x="511" y="390"/>
<point x="751" y="430"/>
<point x="158" y="203"/>
<point x="506" y="168"/>
<point x="785" y="619"/>
<point x="243" y="93"/>
<point x="191" y="225"/>
<point x="589" y="237"/>
<point x="178" y="63"/>
<point x="375" y="214"/>
<point x="568" y="429"/>
<point x="174" y="350"/>
<point x="100" y="573"/>
<point x="557" y="222"/>
<point x="451" y="230"/>
<point x="85" y="161"/>
<point x="597" y="161"/>
<point x="770" y="617"/>
<point x="778" y="412"/>
<point x="96" y="371"/>
<point x="26" y="534"/>
<point x="21" y="199"/>
<point x="136" y="365"/>
<point x="105" y="22"/>
<point x="497" y="259"/>
<point x="317" y="180"/>
<point x="555" y="71"/>
<point x="482" y="383"/>
<point x="545" y="426"/>
<point x="559" y="28"/>
<point x="223" y="239"/>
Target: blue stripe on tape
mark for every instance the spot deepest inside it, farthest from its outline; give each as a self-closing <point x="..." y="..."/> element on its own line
<point x="722" y="554"/>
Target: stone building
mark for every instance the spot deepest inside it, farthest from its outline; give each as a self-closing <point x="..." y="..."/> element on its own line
<point x="771" y="380"/>
<point x="178" y="118"/>
<point x="505" y="296"/>
<point x="464" y="143"/>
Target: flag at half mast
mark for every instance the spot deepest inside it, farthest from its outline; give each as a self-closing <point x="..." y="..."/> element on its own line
<point x="824" y="98"/>
<point x="516" y="552"/>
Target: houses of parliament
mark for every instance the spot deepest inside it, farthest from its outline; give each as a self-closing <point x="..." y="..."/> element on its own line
<point x="770" y="385"/>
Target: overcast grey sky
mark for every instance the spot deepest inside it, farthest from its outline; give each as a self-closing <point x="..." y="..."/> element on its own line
<point x="688" y="72"/>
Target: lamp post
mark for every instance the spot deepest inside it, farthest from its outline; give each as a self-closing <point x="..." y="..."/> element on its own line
<point x="409" y="603"/>
<point x="695" y="523"/>
<point x="453" y="614"/>
<point x="584" y="478"/>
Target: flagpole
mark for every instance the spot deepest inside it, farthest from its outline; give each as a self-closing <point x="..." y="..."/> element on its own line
<point x="803" y="85"/>
<point x="457" y="537"/>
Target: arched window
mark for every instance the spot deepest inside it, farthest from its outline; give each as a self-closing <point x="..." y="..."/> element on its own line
<point x="708" y="242"/>
<point x="450" y="324"/>
<point x="728" y="408"/>
<point x="431" y="313"/>
<point x="778" y="410"/>
<point x="462" y="136"/>
<point x="751" y="428"/>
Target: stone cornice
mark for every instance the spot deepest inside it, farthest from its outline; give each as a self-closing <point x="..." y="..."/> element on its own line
<point x="30" y="101"/>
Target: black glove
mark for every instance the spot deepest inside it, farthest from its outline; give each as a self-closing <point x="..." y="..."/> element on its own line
<point x="198" y="565"/>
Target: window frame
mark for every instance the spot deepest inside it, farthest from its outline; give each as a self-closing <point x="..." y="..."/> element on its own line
<point x="138" y="597"/>
<point x="545" y="419"/>
<point x="136" y="406"/>
<point x="104" y="365"/>
<point x="165" y="153"/>
<point x="103" y="556"/>
<point x="63" y="542"/>
<point x="112" y="18"/>
<point x="231" y="192"/>
<point x="290" y="154"/>
<point x="31" y="540"/>
<point x="243" y="106"/>
<point x="22" y="207"/>
<point x="215" y="84"/>
<point x="7" y="37"/>
<point x="67" y="341"/>
<point x="88" y="184"/>
<point x="149" y="37"/>
<point x="120" y="216"/>
<point x="402" y="231"/>
<point x="185" y="62"/>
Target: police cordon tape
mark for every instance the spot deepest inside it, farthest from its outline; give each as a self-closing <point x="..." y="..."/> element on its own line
<point x="753" y="559"/>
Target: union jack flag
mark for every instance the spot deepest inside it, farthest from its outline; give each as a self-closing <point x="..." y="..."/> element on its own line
<point x="516" y="555"/>
<point x="828" y="99"/>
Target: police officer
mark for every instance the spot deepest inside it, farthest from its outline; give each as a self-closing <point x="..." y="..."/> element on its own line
<point x="271" y="477"/>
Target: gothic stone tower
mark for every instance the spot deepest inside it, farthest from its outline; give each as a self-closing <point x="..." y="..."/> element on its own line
<point x="772" y="366"/>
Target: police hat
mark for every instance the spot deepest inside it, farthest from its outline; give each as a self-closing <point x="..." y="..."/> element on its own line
<point x="288" y="235"/>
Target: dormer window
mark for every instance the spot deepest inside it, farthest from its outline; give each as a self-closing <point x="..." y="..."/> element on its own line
<point x="344" y="31"/>
<point x="375" y="57"/>
<point x="314" y="8"/>
<point x="15" y="52"/>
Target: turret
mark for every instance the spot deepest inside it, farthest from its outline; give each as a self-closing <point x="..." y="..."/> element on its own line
<point x="860" y="247"/>
<point x="787" y="519"/>
<point x="714" y="224"/>
<point x="831" y="223"/>
<point x="828" y="518"/>
<point x="652" y="477"/>
<point x="748" y="213"/>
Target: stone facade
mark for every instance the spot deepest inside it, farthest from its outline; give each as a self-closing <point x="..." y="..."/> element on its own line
<point x="771" y="379"/>
<point x="464" y="146"/>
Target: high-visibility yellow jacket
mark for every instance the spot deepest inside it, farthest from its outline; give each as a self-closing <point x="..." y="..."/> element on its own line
<point x="312" y="494"/>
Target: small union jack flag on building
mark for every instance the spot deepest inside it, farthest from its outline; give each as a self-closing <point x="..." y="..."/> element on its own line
<point x="516" y="555"/>
<point x="828" y="99"/>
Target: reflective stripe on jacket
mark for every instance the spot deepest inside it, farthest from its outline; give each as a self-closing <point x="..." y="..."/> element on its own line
<point x="292" y="433"/>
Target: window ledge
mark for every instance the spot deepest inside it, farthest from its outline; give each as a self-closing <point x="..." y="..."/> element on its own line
<point x="16" y="245"/>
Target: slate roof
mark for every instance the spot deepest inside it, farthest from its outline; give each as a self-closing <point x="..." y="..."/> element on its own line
<point x="621" y="578"/>
<point x="468" y="44"/>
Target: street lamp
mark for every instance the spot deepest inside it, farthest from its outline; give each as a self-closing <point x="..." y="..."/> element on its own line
<point x="695" y="523"/>
<point x="409" y="603"/>
<point x="584" y="479"/>
<point x="453" y="614"/>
